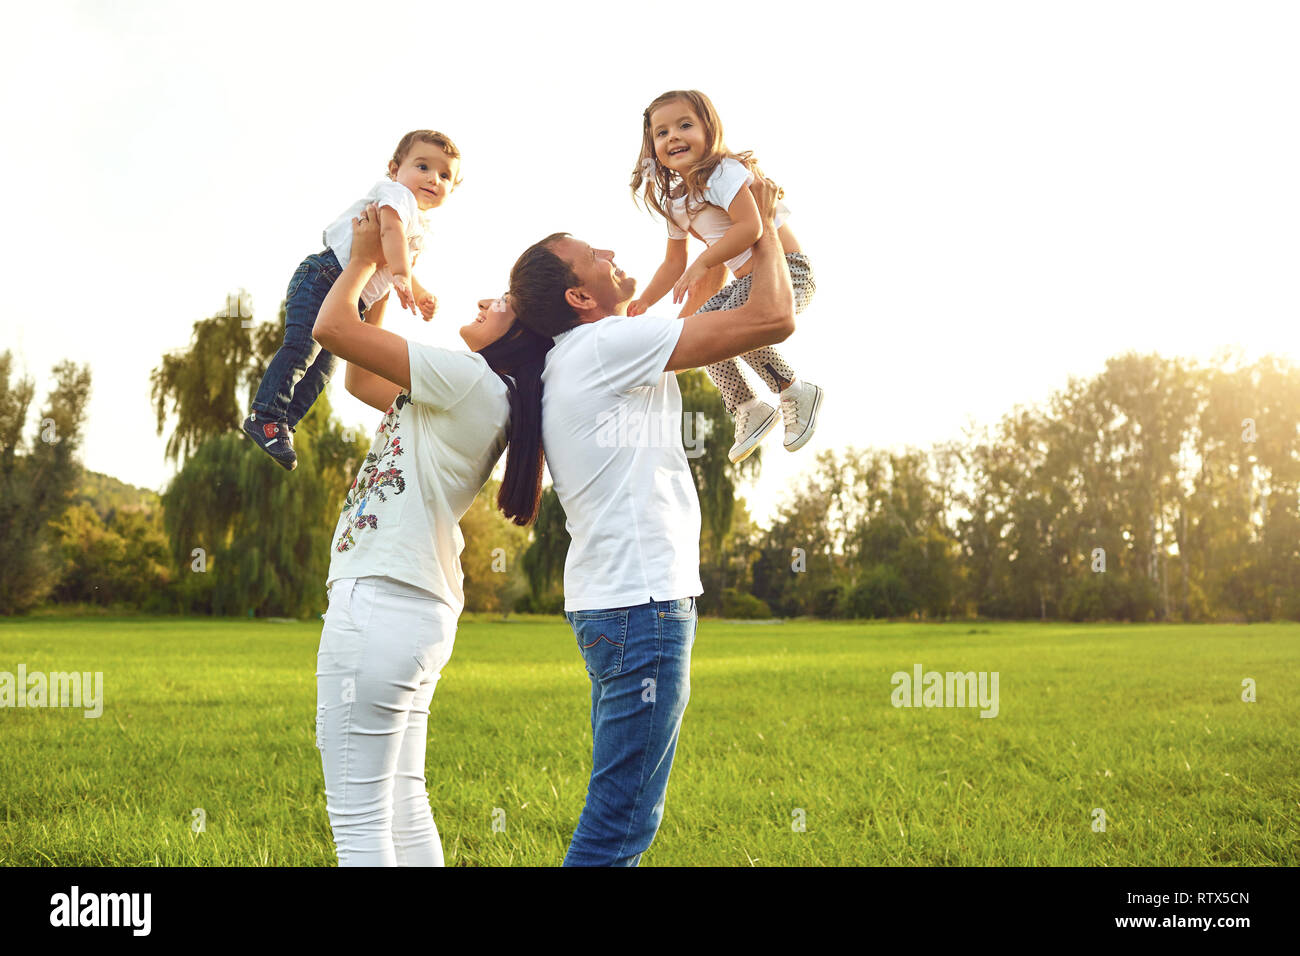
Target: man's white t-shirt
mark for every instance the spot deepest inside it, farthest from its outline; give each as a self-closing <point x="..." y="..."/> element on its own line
<point x="433" y="451"/>
<point x="338" y="234"/>
<point x="712" y="221"/>
<point x="612" y="433"/>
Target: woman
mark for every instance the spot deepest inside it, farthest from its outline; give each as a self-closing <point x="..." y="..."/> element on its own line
<point x="395" y="575"/>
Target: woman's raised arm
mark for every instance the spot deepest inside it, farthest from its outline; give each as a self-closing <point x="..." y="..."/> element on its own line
<point x="375" y="390"/>
<point x="338" y="327"/>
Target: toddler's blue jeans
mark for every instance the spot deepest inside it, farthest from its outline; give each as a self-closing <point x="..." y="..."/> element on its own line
<point x="278" y="397"/>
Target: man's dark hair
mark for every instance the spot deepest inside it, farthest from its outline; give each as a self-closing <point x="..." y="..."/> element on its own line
<point x="538" y="282"/>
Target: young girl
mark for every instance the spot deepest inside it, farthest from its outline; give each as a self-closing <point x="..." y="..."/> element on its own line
<point x="698" y="185"/>
<point x="424" y="170"/>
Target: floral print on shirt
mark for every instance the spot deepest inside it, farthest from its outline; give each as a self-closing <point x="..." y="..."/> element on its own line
<point x="379" y="478"/>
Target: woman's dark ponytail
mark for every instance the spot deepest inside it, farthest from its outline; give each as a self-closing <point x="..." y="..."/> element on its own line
<point x="519" y="357"/>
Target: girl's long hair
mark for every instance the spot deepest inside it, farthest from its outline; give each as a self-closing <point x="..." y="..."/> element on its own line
<point x="659" y="185"/>
<point x="519" y="357"/>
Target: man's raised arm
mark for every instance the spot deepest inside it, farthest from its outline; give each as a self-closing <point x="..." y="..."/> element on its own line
<point x="765" y="319"/>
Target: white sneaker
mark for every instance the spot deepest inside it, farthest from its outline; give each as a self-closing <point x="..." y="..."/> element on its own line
<point x="799" y="405"/>
<point x="754" y="420"/>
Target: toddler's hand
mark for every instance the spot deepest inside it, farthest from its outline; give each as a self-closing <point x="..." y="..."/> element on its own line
<point x="402" y="286"/>
<point x="683" y="286"/>
<point x="428" y="305"/>
<point x="636" y="307"/>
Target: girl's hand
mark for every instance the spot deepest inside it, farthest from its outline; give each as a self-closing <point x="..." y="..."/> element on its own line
<point x="365" y="236"/>
<point x="636" y="307"/>
<point x="693" y="272"/>
<point x="428" y="305"/>
<point x="402" y="286"/>
<point x="704" y="289"/>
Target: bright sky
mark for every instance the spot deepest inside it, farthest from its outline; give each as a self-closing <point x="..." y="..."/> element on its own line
<point x="994" y="195"/>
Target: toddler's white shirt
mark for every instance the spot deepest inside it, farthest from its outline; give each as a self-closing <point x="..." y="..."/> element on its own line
<point x="338" y="234"/>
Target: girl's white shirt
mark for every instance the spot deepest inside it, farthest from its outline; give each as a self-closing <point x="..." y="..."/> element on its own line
<point x="711" y="221"/>
<point x="338" y="234"/>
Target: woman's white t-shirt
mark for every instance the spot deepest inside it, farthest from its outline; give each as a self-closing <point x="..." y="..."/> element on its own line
<point x="338" y="234"/>
<point x="712" y="221"/>
<point x="432" y="453"/>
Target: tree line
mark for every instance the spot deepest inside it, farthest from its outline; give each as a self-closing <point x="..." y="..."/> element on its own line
<point x="1159" y="489"/>
<point x="1155" y="490"/>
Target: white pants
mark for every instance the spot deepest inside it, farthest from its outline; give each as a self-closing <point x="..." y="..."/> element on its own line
<point x="382" y="649"/>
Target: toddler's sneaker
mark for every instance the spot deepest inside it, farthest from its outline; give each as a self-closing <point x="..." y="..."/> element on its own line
<point x="274" y="438"/>
<point x="754" y="420"/>
<point x="799" y="405"/>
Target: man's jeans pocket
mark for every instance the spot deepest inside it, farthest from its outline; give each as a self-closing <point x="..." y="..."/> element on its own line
<point x="679" y="610"/>
<point x="602" y="636"/>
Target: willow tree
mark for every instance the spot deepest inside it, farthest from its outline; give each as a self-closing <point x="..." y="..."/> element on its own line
<point x="246" y="535"/>
<point x="252" y="536"/>
<point x="543" y="562"/>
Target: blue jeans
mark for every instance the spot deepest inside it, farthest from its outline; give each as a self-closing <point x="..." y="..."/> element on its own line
<point x="639" y="662"/>
<point x="278" y="398"/>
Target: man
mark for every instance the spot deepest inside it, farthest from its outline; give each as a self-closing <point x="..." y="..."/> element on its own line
<point x="633" y="569"/>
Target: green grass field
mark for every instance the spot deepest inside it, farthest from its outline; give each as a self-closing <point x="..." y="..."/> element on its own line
<point x="1145" y="722"/>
